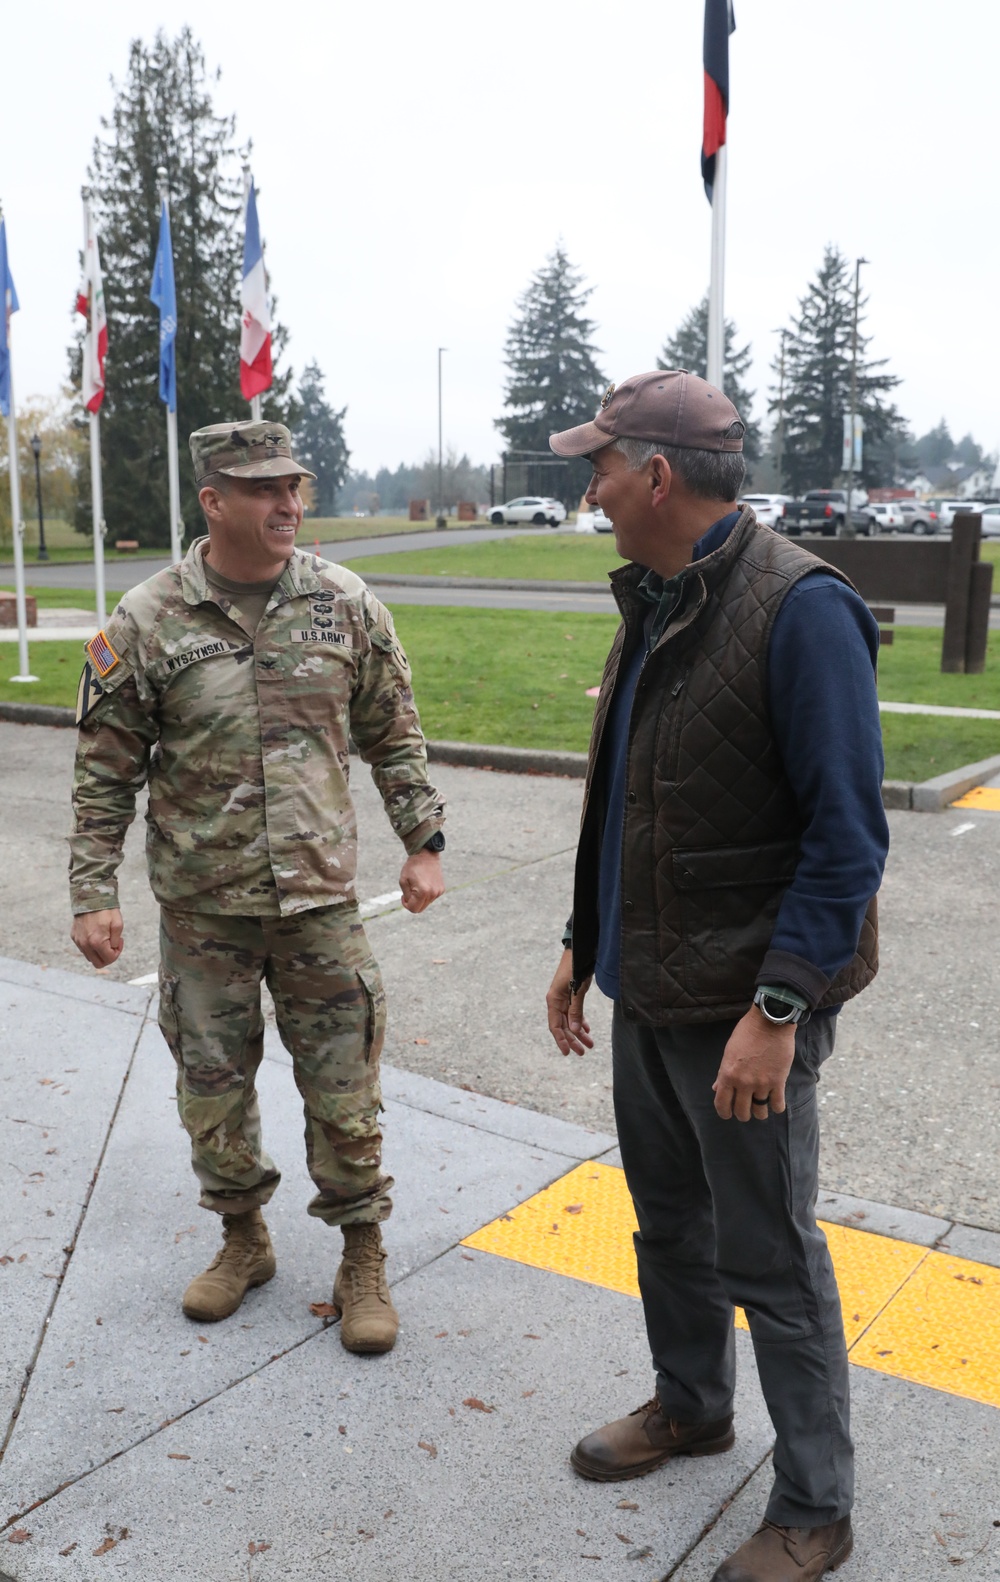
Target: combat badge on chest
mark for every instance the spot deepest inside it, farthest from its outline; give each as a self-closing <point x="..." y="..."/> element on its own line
<point x="322" y="617"/>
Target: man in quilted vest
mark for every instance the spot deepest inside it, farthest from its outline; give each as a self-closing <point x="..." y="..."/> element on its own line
<point x="731" y="846"/>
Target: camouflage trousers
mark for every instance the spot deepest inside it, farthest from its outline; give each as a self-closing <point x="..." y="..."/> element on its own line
<point x="330" y="1007"/>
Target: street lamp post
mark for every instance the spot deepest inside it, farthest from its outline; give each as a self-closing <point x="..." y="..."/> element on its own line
<point x="849" y="531"/>
<point x="36" y="446"/>
<point x="779" y="444"/>
<point x="440" y="516"/>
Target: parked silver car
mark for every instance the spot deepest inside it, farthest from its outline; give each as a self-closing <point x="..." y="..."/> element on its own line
<point x="534" y="508"/>
<point x="919" y="516"/>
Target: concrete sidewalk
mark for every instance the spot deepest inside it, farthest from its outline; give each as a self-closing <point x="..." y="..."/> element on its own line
<point x="138" y="1444"/>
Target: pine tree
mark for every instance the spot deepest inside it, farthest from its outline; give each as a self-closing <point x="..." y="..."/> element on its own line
<point x="553" y="379"/>
<point x="163" y="115"/>
<point x="688" y="348"/>
<point x="319" y="440"/>
<point x="818" y="384"/>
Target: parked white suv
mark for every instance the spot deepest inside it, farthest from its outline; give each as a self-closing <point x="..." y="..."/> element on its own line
<point x="767" y="507"/>
<point x="535" y="508"/>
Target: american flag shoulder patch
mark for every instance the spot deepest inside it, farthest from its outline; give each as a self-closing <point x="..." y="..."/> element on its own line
<point x="102" y="655"/>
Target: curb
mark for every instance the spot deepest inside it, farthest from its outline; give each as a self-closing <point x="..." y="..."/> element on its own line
<point x="509" y="760"/>
<point x="385" y="579"/>
<point x="926" y="796"/>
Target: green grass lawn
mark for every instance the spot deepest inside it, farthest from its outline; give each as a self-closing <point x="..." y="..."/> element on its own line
<point x="57" y="598"/>
<point x="565" y="557"/>
<point x="519" y="678"/>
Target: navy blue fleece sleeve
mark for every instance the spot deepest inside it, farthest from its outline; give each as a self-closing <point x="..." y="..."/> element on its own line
<point x="824" y="712"/>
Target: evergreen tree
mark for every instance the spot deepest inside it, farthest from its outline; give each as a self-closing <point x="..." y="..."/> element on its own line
<point x="319" y="440"/>
<point x="935" y="447"/>
<point x="688" y="348"/>
<point x="163" y="115"/>
<point x="818" y="384"/>
<point x="553" y="379"/>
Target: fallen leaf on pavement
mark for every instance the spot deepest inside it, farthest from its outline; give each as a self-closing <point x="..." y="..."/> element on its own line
<point x="177" y="1455"/>
<point x="257" y="1549"/>
<point x="526" y="1393"/>
<point x="69" y="1549"/>
<point x="20" y="1535"/>
<point x="425" y="1444"/>
<point x="640" y="1554"/>
<point x="531" y="1337"/>
<point x="441" y="1335"/>
<point x="323" y="1309"/>
<point x="574" y="1208"/>
<point x="421" y="1040"/>
<point x="115" y="1409"/>
<point x="203" y="1339"/>
<point x="627" y="1505"/>
<point x="623" y="1540"/>
<point x="477" y="1405"/>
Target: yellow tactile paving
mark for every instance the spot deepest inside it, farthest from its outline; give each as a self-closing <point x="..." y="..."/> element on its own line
<point x="916" y="1314"/>
<point x="986" y="798"/>
<point x="943" y="1329"/>
<point x="581" y="1226"/>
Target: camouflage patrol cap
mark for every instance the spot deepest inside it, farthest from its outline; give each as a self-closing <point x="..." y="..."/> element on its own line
<point x="245" y="450"/>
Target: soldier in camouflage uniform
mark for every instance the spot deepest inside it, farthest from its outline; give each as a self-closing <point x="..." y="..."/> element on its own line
<point x="231" y="683"/>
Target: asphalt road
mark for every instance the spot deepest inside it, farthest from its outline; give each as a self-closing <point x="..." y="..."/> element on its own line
<point x="909" y="1097"/>
<point x="120" y="575"/>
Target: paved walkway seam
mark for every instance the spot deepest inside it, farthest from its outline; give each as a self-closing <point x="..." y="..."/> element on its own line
<point x="70" y="1248"/>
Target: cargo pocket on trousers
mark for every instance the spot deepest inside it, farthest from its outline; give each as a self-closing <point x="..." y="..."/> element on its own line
<point x="168" y="1018"/>
<point x="371" y="982"/>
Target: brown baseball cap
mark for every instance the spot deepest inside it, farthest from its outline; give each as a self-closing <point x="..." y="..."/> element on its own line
<point x="671" y="407"/>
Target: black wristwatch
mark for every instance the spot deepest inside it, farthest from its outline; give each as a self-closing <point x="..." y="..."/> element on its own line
<point x="434" y="842"/>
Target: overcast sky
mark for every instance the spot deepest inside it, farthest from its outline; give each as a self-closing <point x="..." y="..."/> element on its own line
<point x="417" y="163"/>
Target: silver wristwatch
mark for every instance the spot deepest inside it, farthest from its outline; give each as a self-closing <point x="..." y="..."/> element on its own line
<point x="780" y="1006"/>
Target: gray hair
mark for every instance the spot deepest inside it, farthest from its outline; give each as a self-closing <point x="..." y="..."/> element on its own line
<point x="713" y="474"/>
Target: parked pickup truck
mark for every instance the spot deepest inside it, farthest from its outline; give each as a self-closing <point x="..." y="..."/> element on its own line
<point x="822" y="511"/>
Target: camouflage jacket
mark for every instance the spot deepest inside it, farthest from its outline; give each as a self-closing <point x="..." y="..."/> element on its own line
<point x="244" y="741"/>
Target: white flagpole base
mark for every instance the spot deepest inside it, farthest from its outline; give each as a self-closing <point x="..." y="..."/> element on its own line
<point x="22" y="678"/>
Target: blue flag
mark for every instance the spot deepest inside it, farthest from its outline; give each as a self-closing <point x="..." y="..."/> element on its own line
<point x="163" y="294"/>
<point x="8" y="305"/>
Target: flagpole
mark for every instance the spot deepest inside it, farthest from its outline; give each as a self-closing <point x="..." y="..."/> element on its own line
<point x="716" y="290"/>
<point x="96" y="486"/>
<point x="173" y="463"/>
<point x="17" y="534"/>
<point x="255" y="414"/>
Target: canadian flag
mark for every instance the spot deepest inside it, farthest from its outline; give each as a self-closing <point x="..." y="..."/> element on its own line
<point x="90" y="302"/>
<point x="255" y="331"/>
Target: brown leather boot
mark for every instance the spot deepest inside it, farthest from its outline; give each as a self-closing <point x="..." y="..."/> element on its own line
<point x="789" y="1554"/>
<point x="368" y="1320"/>
<point x="632" y="1446"/>
<point x="245" y="1259"/>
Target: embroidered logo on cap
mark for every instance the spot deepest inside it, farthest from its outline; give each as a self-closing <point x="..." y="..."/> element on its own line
<point x="102" y="654"/>
<point x="606" y="397"/>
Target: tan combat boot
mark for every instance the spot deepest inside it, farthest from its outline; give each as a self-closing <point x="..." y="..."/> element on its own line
<point x="245" y="1259"/>
<point x="368" y="1320"/>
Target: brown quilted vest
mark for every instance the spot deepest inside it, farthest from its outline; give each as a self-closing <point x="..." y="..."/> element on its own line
<point x="711" y="834"/>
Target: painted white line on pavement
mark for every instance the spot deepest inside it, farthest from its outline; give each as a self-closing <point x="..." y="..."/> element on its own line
<point x="140" y="983"/>
<point x="963" y="829"/>
<point x="381" y="903"/>
<point x="940" y="708"/>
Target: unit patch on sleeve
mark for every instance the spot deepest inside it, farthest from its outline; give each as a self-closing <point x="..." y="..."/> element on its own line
<point x="102" y="655"/>
<point x="89" y="692"/>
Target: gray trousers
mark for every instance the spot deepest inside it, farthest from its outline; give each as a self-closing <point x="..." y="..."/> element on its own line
<point x="726" y="1213"/>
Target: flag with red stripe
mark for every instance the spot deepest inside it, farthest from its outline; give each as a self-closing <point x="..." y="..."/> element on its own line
<point x="255" y="329"/>
<point x="719" y="23"/>
<point x="90" y="302"/>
